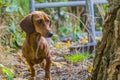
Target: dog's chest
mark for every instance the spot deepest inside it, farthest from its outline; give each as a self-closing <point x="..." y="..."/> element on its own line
<point x="36" y="50"/>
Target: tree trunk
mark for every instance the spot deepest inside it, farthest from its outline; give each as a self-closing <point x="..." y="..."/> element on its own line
<point x="106" y="65"/>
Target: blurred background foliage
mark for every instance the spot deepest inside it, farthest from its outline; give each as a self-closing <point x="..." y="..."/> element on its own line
<point x="65" y="20"/>
<point x="11" y="12"/>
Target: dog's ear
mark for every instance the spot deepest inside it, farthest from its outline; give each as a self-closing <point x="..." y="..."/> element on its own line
<point x="27" y="24"/>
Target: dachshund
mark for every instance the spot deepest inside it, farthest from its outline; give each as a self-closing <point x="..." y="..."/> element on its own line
<point x="36" y="49"/>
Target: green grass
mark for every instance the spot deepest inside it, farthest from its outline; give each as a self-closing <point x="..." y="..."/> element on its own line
<point x="7" y="72"/>
<point x="78" y="57"/>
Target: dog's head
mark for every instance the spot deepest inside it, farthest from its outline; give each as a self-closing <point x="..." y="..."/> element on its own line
<point x="37" y="22"/>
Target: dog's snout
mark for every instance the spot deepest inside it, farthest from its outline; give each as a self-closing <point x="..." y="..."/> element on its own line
<point x="50" y="34"/>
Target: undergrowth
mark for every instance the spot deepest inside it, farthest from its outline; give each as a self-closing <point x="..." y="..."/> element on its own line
<point x="78" y="57"/>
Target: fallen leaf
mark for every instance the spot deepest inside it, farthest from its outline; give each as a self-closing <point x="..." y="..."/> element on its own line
<point x="57" y="64"/>
<point x="84" y="41"/>
<point x="4" y="79"/>
<point x="90" y="68"/>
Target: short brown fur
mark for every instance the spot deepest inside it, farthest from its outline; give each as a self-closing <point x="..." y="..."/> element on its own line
<point x="36" y="48"/>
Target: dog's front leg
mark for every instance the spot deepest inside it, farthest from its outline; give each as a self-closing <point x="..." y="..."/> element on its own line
<point x="47" y="69"/>
<point x="32" y="70"/>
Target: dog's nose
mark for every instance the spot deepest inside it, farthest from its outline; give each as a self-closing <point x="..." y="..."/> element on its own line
<point x="50" y="34"/>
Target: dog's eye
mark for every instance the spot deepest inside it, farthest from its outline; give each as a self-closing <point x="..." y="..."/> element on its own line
<point x="48" y="21"/>
<point x="40" y="22"/>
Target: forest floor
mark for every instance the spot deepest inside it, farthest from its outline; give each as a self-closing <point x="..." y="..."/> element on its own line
<point x="61" y="69"/>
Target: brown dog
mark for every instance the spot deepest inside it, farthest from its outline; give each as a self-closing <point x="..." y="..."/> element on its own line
<point x="36" y="48"/>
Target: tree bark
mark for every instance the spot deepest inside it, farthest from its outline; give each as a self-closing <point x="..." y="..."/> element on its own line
<point x="106" y="65"/>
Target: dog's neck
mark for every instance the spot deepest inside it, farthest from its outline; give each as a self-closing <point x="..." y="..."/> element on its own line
<point x="35" y="36"/>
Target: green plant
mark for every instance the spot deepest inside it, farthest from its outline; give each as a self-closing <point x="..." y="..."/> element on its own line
<point x="78" y="57"/>
<point x="98" y="27"/>
<point x="11" y="12"/>
<point x="63" y="30"/>
<point x="16" y="36"/>
<point x="7" y="72"/>
<point x="76" y="30"/>
<point x="55" y="38"/>
<point x="105" y="6"/>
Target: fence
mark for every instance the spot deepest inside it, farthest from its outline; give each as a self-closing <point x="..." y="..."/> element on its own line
<point x="89" y="9"/>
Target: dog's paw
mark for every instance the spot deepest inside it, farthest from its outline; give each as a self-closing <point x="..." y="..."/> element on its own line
<point x="32" y="78"/>
<point x="47" y="79"/>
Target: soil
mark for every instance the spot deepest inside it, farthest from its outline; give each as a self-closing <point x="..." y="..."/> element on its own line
<point x="61" y="69"/>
